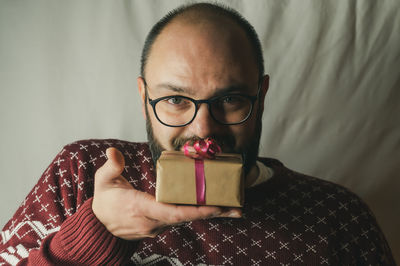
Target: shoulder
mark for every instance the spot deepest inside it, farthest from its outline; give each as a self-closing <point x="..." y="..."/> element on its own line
<point x="321" y="202"/>
<point x="325" y="211"/>
<point x="98" y="147"/>
<point x="309" y="187"/>
<point x="94" y="145"/>
<point x="90" y="154"/>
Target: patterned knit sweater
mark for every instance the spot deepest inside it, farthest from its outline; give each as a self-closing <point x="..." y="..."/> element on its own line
<point x="291" y="219"/>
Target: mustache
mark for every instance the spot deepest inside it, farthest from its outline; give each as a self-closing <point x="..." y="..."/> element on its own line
<point x="226" y="142"/>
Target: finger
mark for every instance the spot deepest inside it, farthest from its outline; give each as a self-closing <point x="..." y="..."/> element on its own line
<point x="231" y="213"/>
<point x="204" y="212"/>
<point x="174" y="214"/>
<point x="112" y="168"/>
<point x="182" y="213"/>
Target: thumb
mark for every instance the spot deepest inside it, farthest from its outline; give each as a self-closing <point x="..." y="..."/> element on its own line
<point x="112" y="168"/>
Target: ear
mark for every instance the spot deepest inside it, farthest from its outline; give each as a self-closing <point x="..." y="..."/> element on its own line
<point x="263" y="91"/>
<point x="142" y="93"/>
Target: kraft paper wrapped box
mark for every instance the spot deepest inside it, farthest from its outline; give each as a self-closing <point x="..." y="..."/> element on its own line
<point x="223" y="176"/>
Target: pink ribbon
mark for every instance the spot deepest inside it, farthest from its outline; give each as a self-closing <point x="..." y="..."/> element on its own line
<point x="200" y="181"/>
<point x="205" y="149"/>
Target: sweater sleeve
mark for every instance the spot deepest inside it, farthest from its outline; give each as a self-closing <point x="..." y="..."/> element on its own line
<point x="55" y="223"/>
<point x="82" y="239"/>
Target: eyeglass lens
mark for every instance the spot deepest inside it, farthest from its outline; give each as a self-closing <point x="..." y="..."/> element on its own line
<point x="230" y="109"/>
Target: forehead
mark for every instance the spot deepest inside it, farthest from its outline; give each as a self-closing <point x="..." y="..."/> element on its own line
<point x="203" y="56"/>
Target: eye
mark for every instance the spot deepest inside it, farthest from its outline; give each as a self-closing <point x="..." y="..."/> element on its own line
<point x="227" y="99"/>
<point x="175" y="100"/>
<point x="230" y="99"/>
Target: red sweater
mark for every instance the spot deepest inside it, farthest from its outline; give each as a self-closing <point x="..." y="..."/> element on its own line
<point x="291" y="219"/>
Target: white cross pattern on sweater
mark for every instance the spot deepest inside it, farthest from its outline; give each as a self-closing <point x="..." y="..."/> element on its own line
<point x="288" y="226"/>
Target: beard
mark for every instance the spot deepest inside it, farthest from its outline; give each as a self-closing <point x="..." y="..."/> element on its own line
<point x="227" y="143"/>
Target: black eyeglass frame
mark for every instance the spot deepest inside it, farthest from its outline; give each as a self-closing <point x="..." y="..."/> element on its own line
<point x="197" y="103"/>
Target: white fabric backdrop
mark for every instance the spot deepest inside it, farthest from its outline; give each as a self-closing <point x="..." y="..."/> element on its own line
<point x="68" y="71"/>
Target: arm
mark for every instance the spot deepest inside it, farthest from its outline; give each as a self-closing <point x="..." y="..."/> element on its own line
<point x="72" y="227"/>
<point x="55" y="222"/>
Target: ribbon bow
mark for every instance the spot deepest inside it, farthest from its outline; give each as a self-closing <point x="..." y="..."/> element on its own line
<point x="205" y="149"/>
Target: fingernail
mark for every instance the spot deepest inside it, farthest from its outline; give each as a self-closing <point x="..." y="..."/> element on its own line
<point x="232" y="214"/>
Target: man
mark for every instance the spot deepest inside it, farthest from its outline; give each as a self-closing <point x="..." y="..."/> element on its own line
<point x="95" y="204"/>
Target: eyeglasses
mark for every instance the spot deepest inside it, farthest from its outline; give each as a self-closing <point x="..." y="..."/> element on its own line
<point x="179" y="111"/>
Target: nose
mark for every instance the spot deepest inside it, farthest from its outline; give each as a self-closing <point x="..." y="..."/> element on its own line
<point x="203" y="124"/>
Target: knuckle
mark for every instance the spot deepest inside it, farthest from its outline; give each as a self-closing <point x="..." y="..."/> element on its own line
<point x="176" y="217"/>
<point x="151" y="232"/>
<point x="117" y="167"/>
<point x="144" y="230"/>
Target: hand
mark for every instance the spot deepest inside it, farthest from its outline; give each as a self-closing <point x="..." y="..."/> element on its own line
<point x="132" y="214"/>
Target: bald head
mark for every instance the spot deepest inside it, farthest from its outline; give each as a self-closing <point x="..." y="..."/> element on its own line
<point x="215" y="24"/>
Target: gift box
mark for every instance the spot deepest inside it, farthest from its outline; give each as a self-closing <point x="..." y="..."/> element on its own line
<point x="185" y="180"/>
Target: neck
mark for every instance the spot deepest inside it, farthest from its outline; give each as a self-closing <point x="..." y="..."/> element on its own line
<point x="251" y="177"/>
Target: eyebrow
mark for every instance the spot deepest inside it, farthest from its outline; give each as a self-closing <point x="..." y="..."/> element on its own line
<point x="167" y="86"/>
<point x="231" y="89"/>
<point x="239" y="88"/>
